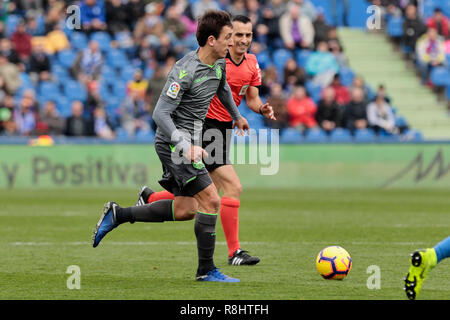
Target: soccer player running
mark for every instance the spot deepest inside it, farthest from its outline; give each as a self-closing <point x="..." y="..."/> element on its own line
<point x="422" y="262"/>
<point x="179" y="114"/>
<point x="243" y="77"/>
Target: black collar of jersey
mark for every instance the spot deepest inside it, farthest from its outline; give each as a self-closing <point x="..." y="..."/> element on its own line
<point x="236" y="64"/>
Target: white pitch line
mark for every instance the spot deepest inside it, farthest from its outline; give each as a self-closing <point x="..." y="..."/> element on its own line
<point x="221" y="243"/>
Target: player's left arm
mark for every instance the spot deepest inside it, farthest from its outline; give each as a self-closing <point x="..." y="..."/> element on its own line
<point x="255" y="103"/>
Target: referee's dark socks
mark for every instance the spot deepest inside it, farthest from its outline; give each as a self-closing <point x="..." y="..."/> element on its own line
<point x="158" y="211"/>
<point x="205" y="231"/>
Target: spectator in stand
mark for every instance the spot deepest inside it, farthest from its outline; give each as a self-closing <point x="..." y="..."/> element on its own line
<point x="76" y="125"/>
<point x="55" y="15"/>
<point x="293" y="75"/>
<point x="3" y="90"/>
<point x="138" y="85"/>
<point x="57" y="40"/>
<point x="269" y="78"/>
<point x="321" y="65"/>
<point x="355" y="113"/>
<point x="102" y="125"/>
<point x="7" y="50"/>
<point x="430" y="52"/>
<point x="11" y="74"/>
<point x="278" y="100"/>
<point x="201" y="6"/>
<point x="93" y="15"/>
<point x="413" y="28"/>
<point x="296" y="29"/>
<point x="380" y="116"/>
<point x="306" y="7"/>
<point x="321" y="28"/>
<point x="154" y="89"/>
<point x="88" y="63"/>
<point x="135" y="114"/>
<point x="150" y="26"/>
<point x="7" y="124"/>
<point x="302" y="110"/>
<point x="40" y="67"/>
<point x="135" y="10"/>
<point x="236" y="8"/>
<point x="268" y="28"/>
<point x="439" y="22"/>
<point x="116" y="17"/>
<point x="21" y="41"/>
<point x="358" y="82"/>
<point x="50" y="122"/>
<point x="24" y="117"/>
<point x="329" y="113"/>
<point x="342" y="94"/>
<point x="165" y="49"/>
<point x="94" y="99"/>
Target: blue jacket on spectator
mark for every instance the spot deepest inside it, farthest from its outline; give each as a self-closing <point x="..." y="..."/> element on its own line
<point x="90" y="13"/>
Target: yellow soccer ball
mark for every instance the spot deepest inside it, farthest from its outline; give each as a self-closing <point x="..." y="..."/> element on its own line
<point x="334" y="263"/>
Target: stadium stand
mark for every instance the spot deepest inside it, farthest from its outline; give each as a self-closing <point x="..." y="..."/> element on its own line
<point x="148" y="37"/>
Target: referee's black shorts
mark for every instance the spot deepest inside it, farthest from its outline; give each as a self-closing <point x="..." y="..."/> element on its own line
<point x="219" y="149"/>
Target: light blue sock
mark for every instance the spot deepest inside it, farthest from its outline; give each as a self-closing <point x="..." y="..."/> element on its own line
<point x="443" y="249"/>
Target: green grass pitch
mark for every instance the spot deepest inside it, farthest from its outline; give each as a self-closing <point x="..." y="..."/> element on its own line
<point x="43" y="232"/>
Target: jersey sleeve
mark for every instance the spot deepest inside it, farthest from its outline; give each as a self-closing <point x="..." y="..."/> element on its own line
<point x="178" y="82"/>
<point x="225" y="96"/>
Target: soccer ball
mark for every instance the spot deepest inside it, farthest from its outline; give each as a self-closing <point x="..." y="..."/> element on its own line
<point x="334" y="263"/>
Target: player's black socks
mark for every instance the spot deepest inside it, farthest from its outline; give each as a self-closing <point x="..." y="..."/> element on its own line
<point x="205" y="231"/>
<point x="158" y="211"/>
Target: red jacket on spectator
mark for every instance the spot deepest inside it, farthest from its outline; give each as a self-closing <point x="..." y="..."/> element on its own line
<point x="432" y="23"/>
<point x="342" y="94"/>
<point x="22" y="44"/>
<point x="302" y="112"/>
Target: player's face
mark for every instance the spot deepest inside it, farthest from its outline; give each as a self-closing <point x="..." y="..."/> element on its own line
<point x="242" y="37"/>
<point x="224" y="42"/>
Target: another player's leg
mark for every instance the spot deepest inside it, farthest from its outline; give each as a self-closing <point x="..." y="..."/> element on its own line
<point x="147" y="195"/>
<point x="226" y="179"/>
<point x="180" y="209"/>
<point x="422" y="262"/>
<point x="205" y="232"/>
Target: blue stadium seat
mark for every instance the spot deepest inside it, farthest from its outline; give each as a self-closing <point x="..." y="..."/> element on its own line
<point x="63" y="104"/>
<point x="60" y="72"/>
<point x="365" y="135"/>
<point x="103" y="39"/>
<point x="440" y="76"/>
<point x="394" y="27"/>
<point x="400" y="121"/>
<point x="148" y="72"/>
<point x="339" y="135"/>
<point x="108" y="74"/>
<point x="316" y="135"/>
<point x="122" y="134"/>
<point x="67" y="58"/>
<point x="49" y="90"/>
<point x="448" y="92"/>
<point x="279" y="58"/>
<point x="11" y="24"/>
<point x="314" y="90"/>
<point x="264" y="60"/>
<point x="291" y="135"/>
<point x="127" y="73"/>
<point x="119" y="89"/>
<point x="145" y="136"/>
<point x="346" y="75"/>
<point x="79" y="40"/>
<point x="116" y="58"/>
<point x="75" y="90"/>
<point x="301" y="56"/>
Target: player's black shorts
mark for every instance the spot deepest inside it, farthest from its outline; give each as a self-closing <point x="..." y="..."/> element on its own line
<point x="179" y="177"/>
<point x="218" y="150"/>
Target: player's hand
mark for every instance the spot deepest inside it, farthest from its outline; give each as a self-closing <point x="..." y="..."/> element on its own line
<point x="196" y="154"/>
<point x="267" y="111"/>
<point x="242" y="125"/>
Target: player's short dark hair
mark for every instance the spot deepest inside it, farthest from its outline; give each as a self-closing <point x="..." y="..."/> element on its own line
<point x="242" y="18"/>
<point x="211" y="24"/>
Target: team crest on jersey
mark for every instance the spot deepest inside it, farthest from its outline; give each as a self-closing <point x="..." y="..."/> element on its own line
<point x="173" y="90"/>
